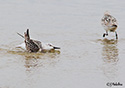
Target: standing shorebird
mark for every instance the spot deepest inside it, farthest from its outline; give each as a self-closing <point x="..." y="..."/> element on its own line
<point x="33" y="45"/>
<point x="110" y="24"/>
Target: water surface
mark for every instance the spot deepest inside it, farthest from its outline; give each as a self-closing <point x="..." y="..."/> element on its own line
<point x="85" y="59"/>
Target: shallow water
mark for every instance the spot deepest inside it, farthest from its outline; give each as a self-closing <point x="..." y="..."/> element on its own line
<point x="85" y="59"/>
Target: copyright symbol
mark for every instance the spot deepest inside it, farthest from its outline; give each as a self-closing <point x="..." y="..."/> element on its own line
<point x="109" y="84"/>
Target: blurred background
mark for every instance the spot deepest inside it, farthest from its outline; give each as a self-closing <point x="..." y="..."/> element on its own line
<point x="86" y="59"/>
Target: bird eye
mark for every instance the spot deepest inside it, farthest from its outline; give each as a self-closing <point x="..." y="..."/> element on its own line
<point x="49" y="44"/>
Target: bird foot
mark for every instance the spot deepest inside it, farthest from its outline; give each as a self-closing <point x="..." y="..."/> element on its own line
<point x="116" y="35"/>
<point x="105" y="34"/>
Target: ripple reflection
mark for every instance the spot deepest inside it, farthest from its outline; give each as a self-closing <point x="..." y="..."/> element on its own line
<point x="110" y="57"/>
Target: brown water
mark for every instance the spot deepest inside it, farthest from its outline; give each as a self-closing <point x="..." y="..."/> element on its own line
<point x="86" y="60"/>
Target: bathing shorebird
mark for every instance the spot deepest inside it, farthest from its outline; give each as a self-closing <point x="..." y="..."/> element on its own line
<point x="33" y="45"/>
<point x="109" y="23"/>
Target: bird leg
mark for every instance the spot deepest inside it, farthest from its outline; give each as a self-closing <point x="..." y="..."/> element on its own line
<point x="105" y="34"/>
<point x="116" y="35"/>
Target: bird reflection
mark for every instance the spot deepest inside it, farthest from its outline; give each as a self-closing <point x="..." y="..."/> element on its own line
<point x="31" y="62"/>
<point x="110" y="51"/>
<point x="110" y="57"/>
<point x="34" y="61"/>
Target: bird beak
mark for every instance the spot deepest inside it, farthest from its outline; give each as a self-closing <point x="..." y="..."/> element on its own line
<point x="56" y="47"/>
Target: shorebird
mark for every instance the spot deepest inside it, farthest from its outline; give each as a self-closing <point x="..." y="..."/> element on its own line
<point x="33" y="45"/>
<point x="109" y="23"/>
<point x="45" y="46"/>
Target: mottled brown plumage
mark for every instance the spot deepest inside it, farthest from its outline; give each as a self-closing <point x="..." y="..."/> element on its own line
<point x="109" y="23"/>
<point x="31" y="45"/>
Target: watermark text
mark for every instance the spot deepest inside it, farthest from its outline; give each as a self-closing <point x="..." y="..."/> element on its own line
<point x="111" y="84"/>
